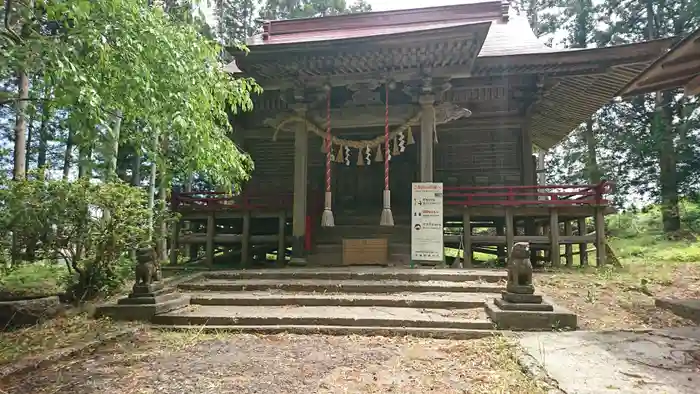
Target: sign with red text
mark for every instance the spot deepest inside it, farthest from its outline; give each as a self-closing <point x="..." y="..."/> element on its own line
<point x="427" y="240"/>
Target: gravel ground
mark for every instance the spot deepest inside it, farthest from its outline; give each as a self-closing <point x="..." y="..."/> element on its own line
<point x="176" y="363"/>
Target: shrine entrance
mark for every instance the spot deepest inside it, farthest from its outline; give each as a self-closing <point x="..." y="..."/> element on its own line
<point x="358" y="190"/>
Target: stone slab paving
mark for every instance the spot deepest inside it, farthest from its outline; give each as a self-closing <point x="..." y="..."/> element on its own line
<point x="367" y="272"/>
<point x="258" y="297"/>
<point x="649" y="362"/>
<point x="352" y="285"/>
<point x="320" y="313"/>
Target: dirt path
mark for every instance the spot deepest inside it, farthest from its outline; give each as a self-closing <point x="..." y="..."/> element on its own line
<point x="234" y="363"/>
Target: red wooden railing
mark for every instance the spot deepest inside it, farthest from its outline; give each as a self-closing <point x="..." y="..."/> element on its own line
<point x="223" y="201"/>
<point x="527" y="195"/>
<point x="453" y="195"/>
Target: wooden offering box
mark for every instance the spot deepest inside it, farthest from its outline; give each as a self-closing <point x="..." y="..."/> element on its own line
<point x="365" y="251"/>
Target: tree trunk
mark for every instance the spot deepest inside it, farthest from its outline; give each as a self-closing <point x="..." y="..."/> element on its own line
<point x="136" y="167"/>
<point x="28" y="144"/>
<point x="162" y="237"/>
<point x="68" y="154"/>
<point x="43" y="137"/>
<point x="112" y="149"/>
<point x="592" y="160"/>
<point x="152" y="190"/>
<point x="663" y="135"/>
<point x="21" y="127"/>
<point x="668" y="181"/>
<point x="85" y="165"/>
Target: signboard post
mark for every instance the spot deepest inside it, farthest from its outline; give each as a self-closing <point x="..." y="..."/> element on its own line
<point x="427" y="237"/>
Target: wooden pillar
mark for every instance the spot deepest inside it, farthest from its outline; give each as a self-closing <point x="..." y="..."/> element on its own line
<point x="510" y="230"/>
<point x="281" y="245"/>
<point x="568" y="247"/>
<point x="582" y="247"/>
<point x="211" y="230"/>
<point x="245" y="240"/>
<point x="301" y="151"/>
<point x="528" y="172"/>
<point x="467" y="238"/>
<point x="554" y="253"/>
<point x="427" y="136"/>
<point x="501" y="231"/>
<point x="600" y="236"/>
<point x="175" y="243"/>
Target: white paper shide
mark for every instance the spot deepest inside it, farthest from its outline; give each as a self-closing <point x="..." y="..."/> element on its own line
<point x="427" y="243"/>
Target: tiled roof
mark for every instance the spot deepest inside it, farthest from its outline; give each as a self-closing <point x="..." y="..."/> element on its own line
<point x="512" y="38"/>
<point x="505" y="37"/>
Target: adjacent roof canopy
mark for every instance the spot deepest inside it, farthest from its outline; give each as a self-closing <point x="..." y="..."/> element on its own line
<point x="677" y="68"/>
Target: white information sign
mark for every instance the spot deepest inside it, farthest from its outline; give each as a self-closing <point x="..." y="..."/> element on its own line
<point x="427" y="242"/>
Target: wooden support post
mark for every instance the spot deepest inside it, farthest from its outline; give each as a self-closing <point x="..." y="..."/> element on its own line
<point x="600" y="236"/>
<point x="467" y="238"/>
<point x="427" y="130"/>
<point x="211" y="230"/>
<point x="301" y="151"/>
<point x="501" y="231"/>
<point x="245" y="240"/>
<point x="554" y="253"/>
<point x="510" y="230"/>
<point x="175" y="243"/>
<point x="568" y="248"/>
<point x="582" y="247"/>
<point x="281" y="245"/>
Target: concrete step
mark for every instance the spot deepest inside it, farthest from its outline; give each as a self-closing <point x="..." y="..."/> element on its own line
<point x="398" y="300"/>
<point x="345" y="286"/>
<point x="366" y="273"/>
<point x="438" y="333"/>
<point x="474" y="319"/>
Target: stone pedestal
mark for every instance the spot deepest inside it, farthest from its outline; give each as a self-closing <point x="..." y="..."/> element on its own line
<point x="524" y="310"/>
<point x="144" y="302"/>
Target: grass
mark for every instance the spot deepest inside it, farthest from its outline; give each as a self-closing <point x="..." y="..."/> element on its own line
<point x="40" y="278"/>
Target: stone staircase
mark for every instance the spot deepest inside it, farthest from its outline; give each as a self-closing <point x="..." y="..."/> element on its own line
<point x="438" y="303"/>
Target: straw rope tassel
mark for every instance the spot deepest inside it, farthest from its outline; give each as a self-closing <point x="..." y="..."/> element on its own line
<point x="395" y="149"/>
<point x="379" y="157"/>
<point x="409" y="136"/>
<point x="360" y="159"/>
<point x="327" y="217"/>
<point x="339" y="155"/>
<point x="387" y="219"/>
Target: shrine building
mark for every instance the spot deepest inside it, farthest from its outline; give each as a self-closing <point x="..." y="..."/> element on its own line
<point x="357" y="107"/>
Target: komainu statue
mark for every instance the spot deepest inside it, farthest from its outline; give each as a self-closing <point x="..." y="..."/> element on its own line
<point x="147" y="267"/>
<point x="520" y="269"/>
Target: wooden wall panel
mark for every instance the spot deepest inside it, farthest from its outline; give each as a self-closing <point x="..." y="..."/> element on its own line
<point x="478" y="158"/>
<point x="274" y="165"/>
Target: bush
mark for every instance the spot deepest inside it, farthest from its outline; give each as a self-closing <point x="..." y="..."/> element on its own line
<point x="90" y="226"/>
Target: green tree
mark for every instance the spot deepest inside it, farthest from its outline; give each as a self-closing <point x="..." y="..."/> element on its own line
<point x="293" y="9"/>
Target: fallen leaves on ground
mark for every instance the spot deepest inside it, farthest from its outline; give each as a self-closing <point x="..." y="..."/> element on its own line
<point x="610" y="298"/>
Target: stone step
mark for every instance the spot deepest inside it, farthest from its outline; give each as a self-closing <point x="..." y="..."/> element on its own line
<point x="345" y="286"/>
<point x="437" y="333"/>
<point x="398" y="300"/>
<point x="366" y="273"/>
<point x="474" y="319"/>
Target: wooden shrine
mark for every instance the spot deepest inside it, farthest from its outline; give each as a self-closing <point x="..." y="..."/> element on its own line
<point x="357" y="107"/>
